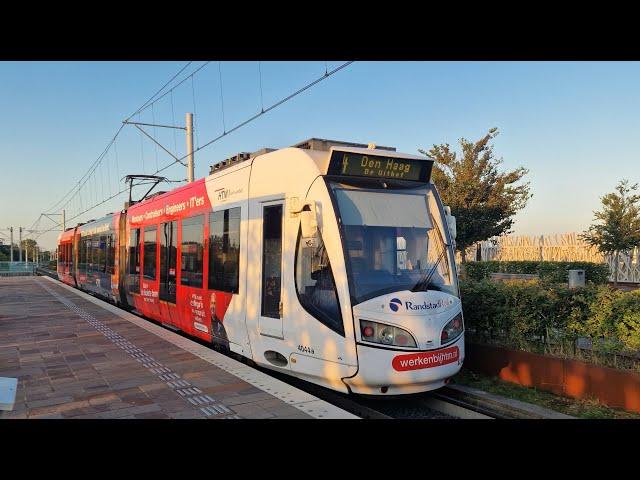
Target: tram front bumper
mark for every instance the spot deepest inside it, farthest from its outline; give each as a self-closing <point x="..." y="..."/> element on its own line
<point x="391" y="372"/>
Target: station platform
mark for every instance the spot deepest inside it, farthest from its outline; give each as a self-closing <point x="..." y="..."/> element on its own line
<point x="76" y="356"/>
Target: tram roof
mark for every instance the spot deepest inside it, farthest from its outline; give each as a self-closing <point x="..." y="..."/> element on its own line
<point x="316" y="144"/>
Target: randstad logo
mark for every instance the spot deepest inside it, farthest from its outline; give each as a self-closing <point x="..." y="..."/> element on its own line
<point x="394" y="304"/>
<point x="430" y="305"/>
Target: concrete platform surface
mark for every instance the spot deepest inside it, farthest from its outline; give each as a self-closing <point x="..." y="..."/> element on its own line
<point x="78" y="357"/>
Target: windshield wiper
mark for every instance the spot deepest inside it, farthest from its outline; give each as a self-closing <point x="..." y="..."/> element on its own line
<point x="423" y="284"/>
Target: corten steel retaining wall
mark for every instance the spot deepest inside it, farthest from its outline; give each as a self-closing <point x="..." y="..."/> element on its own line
<point x="570" y="378"/>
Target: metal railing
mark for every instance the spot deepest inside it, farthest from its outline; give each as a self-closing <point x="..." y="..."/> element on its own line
<point x="16" y="269"/>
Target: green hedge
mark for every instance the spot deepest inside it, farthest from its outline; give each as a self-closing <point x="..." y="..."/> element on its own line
<point x="545" y="317"/>
<point x="556" y="272"/>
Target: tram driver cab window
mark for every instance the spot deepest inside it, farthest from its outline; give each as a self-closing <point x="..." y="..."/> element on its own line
<point x="315" y="283"/>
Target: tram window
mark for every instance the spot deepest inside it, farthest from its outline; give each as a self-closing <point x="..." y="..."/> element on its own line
<point x="168" y="254"/>
<point x="149" y="258"/>
<point x="91" y="255"/>
<point x="271" y="261"/>
<point x="133" y="279"/>
<point x="134" y="252"/>
<point x="70" y="256"/>
<point x="224" y="250"/>
<point x="102" y="253"/>
<point x="93" y="249"/>
<point x="82" y="255"/>
<point x="87" y="253"/>
<point x="192" y="251"/>
<point x="94" y="262"/>
<point x="111" y="254"/>
<point x="315" y="283"/>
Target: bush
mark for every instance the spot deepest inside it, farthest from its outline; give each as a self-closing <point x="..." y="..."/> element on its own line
<point x="627" y="325"/>
<point x="556" y="272"/>
<point x="517" y="313"/>
<point x="542" y="316"/>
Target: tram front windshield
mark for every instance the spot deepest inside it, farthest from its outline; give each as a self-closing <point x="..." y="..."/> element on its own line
<point x="392" y="242"/>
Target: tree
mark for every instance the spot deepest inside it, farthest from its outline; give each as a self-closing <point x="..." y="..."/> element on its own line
<point x="482" y="199"/>
<point x="29" y="245"/>
<point x="619" y="230"/>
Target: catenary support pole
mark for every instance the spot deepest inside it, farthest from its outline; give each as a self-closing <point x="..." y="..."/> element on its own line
<point x="189" y="122"/>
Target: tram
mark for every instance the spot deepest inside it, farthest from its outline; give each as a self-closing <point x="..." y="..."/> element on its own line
<point x="329" y="261"/>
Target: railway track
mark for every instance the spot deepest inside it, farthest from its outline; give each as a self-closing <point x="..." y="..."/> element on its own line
<point x="444" y="403"/>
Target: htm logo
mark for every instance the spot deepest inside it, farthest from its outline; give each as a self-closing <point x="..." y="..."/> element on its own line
<point x="395" y="304"/>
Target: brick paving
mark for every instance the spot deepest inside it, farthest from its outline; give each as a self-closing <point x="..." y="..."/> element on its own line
<point x="95" y="364"/>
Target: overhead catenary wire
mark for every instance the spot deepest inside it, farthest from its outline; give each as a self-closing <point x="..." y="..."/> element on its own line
<point x="173" y="122"/>
<point x="195" y="114"/>
<point x="146" y="104"/>
<point x="254" y="117"/>
<point x="201" y="147"/>
<point x="87" y="174"/>
<point x="171" y="89"/>
<point x="115" y="151"/>
<point x="224" y="128"/>
<point x="102" y="178"/>
<point x="260" y="77"/>
<point x="155" y="133"/>
<point x="76" y="187"/>
<point x="141" y="146"/>
<point x="124" y="190"/>
<point x="109" y="174"/>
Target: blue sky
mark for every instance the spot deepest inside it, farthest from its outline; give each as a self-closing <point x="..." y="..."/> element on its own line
<point x="574" y="125"/>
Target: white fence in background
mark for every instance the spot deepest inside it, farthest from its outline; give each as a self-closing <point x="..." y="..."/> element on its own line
<point x="566" y="247"/>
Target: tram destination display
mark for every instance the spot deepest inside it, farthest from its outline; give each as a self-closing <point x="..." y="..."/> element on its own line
<point x="377" y="166"/>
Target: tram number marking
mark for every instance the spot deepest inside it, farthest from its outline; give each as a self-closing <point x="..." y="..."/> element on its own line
<point x="306" y="349"/>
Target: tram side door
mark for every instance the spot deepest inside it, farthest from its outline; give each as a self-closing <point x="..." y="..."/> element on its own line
<point x="270" y="317"/>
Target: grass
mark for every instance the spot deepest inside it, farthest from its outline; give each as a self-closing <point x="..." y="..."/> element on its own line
<point x="578" y="408"/>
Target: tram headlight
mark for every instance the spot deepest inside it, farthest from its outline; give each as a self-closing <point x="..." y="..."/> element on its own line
<point x="386" y="334"/>
<point x="452" y="329"/>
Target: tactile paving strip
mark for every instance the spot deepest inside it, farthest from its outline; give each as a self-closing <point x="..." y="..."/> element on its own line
<point x="183" y="388"/>
<point x="303" y="401"/>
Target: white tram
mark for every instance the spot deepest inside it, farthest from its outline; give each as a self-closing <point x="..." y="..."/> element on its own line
<point x="347" y="275"/>
<point x="329" y="261"/>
